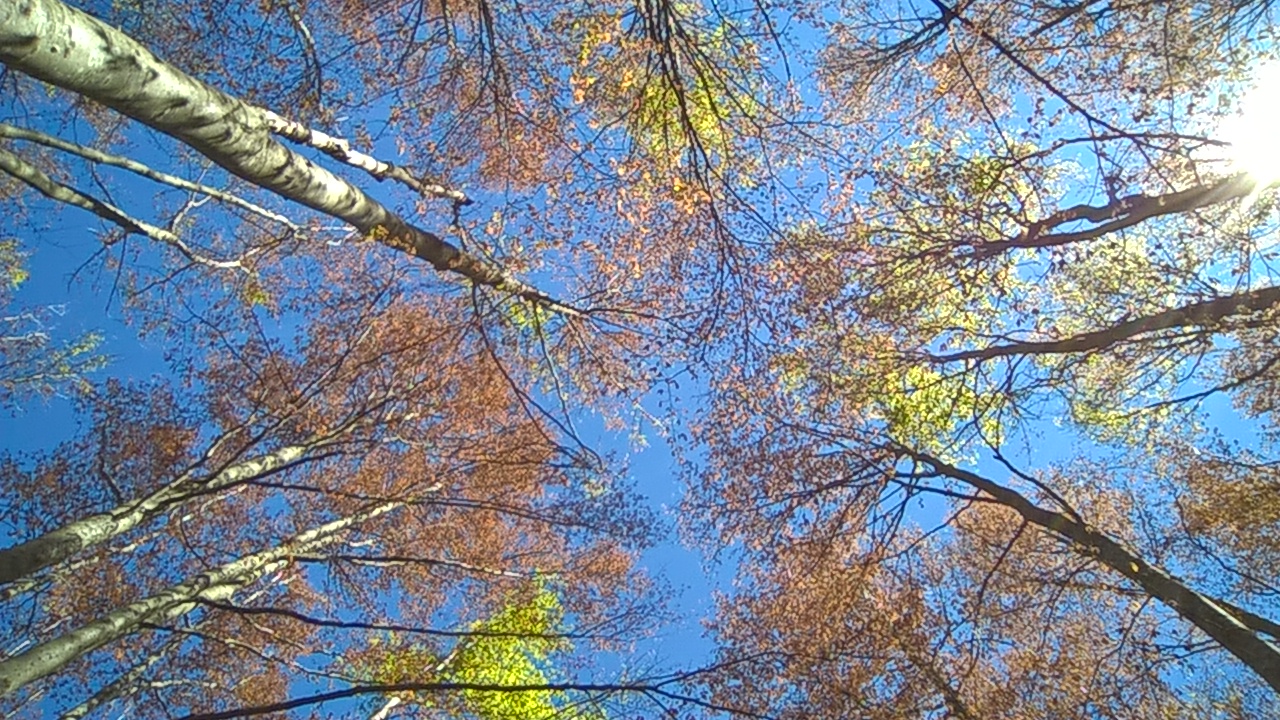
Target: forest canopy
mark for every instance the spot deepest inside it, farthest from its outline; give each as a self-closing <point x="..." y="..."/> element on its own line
<point x="350" y="348"/>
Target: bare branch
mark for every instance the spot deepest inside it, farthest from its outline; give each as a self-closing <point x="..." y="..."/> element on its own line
<point x="359" y="625"/>
<point x="54" y="190"/>
<point x="17" y="133"/>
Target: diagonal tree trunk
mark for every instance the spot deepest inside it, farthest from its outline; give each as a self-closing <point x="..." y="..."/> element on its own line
<point x="171" y="603"/>
<point x="130" y="682"/>
<point x="1204" y="314"/>
<point x="75" y="51"/>
<point x="1213" y="618"/>
<point x="61" y="544"/>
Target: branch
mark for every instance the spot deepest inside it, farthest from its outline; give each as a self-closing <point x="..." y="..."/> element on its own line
<point x="950" y="695"/>
<point x="340" y="150"/>
<point x="1121" y="213"/>
<point x="1206" y="314"/>
<point x="1253" y="620"/>
<point x="641" y="688"/>
<point x="1209" y="615"/>
<point x="389" y="560"/>
<point x="391" y="627"/>
<point x="949" y="14"/>
<point x="54" y="190"/>
<point x="17" y="133"/>
<point x="77" y="52"/>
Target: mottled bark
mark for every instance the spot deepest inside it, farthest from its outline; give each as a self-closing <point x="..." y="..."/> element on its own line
<point x="341" y="150"/>
<point x="131" y="681"/>
<point x="75" y="51"/>
<point x="217" y="584"/>
<point x="1211" y="617"/>
<point x="58" y="545"/>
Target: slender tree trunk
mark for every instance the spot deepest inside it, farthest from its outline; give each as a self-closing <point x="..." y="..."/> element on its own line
<point x="218" y="584"/>
<point x="1122" y="213"/>
<point x="385" y="711"/>
<point x="70" y="567"/>
<point x="1205" y="314"/>
<point x="130" y="682"/>
<point x="1214" y="619"/>
<point x="75" y="51"/>
<point x="58" y="545"/>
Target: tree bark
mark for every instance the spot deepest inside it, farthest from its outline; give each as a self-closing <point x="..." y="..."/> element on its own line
<point x="1122" y="213"/>
<point x="58" y="545"/>
<point x="1259" y="654"/>
<point x="130" y="682"/>
<point x="217" y="584"/>
<point x="75" y="51"/>
<point x="1205" y="314"/>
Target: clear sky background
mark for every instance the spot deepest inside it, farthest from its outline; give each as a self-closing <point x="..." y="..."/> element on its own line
<point x="65" y="275"/>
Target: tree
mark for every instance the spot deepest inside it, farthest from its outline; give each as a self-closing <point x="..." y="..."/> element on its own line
<point x="1048" y="272"/>
<point x="31" y="362"/>
<point x="170" y="604"/>
<point x="980" y="228"/>
<point x="392" y="424"/>
<point x="696" y="104"/>
<point x="68" y="48"/>
<point x="390" y="394"/>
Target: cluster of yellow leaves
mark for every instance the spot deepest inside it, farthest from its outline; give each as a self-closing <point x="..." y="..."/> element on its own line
<point x="12" y="267"/>
<point x="517" y="653"/>
<point x="512" y="648"/>
<point x="673" y="101"/>
<point x="923" y="409"/>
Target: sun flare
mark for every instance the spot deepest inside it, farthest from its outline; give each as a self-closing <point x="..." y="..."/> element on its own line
<point x="1254" y="131"/>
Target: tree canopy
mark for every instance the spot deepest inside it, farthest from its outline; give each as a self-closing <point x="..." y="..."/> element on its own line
<point x="960" y="321"/>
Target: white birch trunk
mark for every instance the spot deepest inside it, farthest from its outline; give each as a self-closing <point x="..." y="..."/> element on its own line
<point x="58" y="545"/>
<point x="130" y="682"/>
<point x="218" y="584"/>
<point x="75" y="51"/>
<point x="385" y="711"/>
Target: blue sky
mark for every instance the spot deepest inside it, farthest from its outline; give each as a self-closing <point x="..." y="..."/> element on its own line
<point x="67" y="239"/>
<point x="67" y="271"/>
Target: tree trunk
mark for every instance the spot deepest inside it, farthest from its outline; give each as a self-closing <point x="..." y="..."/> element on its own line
<point x="1259" y="654"/>
<point x="1207" y="314"/>
<point x="75" y="51"/>
<point x="218" y="584"/>
<point x="58" y="545"/>
<point x="130" y="682"/>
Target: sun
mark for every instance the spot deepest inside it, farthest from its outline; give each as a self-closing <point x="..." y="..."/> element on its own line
<point x="1254" y="131"/>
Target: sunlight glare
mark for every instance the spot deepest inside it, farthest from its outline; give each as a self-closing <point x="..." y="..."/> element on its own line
<point x="1254" y="131"/>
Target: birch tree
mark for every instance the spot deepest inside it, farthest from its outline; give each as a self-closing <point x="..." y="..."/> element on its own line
<point x="218" y="584"/>
<point x="978" y="301"/>
<point x="70" y="49"/>
<point x="393" y="403"/>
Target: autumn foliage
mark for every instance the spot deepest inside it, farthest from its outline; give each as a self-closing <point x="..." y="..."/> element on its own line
<point x="960" y="321"/>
